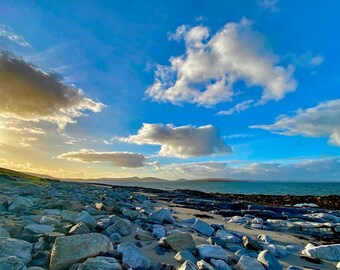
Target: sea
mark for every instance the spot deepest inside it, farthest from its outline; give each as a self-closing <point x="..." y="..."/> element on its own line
<point x="266" y="188"/>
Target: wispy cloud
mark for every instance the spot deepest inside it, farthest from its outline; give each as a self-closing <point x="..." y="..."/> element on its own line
<point x="182" y="142"/>
<point x="7" y="32"/>
<point x="322" y="120"/>
<point x="118" y="159"/>
<point x="206" y="72"/>
<point x="269" y="5"/>
<point x="242" y="106"/>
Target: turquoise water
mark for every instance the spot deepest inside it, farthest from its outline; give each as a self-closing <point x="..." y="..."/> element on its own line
<point x="268" y="188"/>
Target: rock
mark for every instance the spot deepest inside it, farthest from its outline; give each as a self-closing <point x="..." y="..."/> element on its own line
<point x="219" y="264"/>
<point x="69" y="216"/>
<point x="238" y="254"/>
<point x="18" y="203"/>
<point x="160" y="250"/>
<point x="87" y="219"/>
<point x="38" y="229"/>
<point x="79" y="228"/>
<point x="203" y="228"/>
<point x="293" y="267"/>
<point x="208" y="252"/>
<point x="143" y="235"/>
<point x="121" y="226"/>
<point x="265" y="238"/>
<point x="103" y="223"/>
<point x="276" y="250"/>
<point x="76" y="248"/>
<point x="17" y="248"/>
<point x="250" y="243"/>
<point x="269" y="261"/>
<point x="4" y="233"/>
<point x="133" y="257"/>
<point x="115" y="237"/>
<point x="326" y="252"/>
<point x="338" y="266"/>
<point x="248" y="263"/>
<point x="36" y="268"/>
<point x="161" y="215"/>
<point x="180" y="241"/>
<point x="158" y="232"/>
<point x="294" y="248"/>
<point x="236" y="219"/>
<point x="45" y="220"/>
<point x="227" y="237"/>
<point x="100" y="263"/>
<point x="140" y="197"/>
<point x="203" y="265"/>
<point x="188" y="265"/>
<point x="11" y="263"/>
<point x="130" y="214"/>
<point x="163" y="266"/>
<point x="185" y="255"/>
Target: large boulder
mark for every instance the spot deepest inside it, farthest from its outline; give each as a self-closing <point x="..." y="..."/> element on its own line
<point x="11" y="263"/>
<point x="119" y="225"/>
<point x="203" y="265"/>
<point x="79" y="228"/>
<point x="203" y="228"/>
<point x="180" y="241"/>
<point x="208" y="252"/>
<point x="277" y="251"/>
<point x="250" y="243"/>
<point x="227" y="237"/>
<point x="76" y="248"/>
<point x="87" y="219"/>
<point x="249" y="263"/>
<point x="133" y="257"/>
<point x="17" y="248"/>
<point x="17" y="203"/>
<point x="220" y="265"/>
<point x="188" y="265"/>
<point x="100" y="263"/>
<point x="184" y="256"/>
<point x="327" y="252"/>
<point x="269" y="261"/>
<point x="161" y="215"/>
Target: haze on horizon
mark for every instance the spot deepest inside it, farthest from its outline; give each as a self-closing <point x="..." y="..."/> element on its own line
<point x="171" y="89"/>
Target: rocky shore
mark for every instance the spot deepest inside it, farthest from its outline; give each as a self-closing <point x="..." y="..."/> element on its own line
<point x="62" y="225"/>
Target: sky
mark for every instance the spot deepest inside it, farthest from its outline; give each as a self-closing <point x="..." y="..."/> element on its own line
<point x="171" y="89"/>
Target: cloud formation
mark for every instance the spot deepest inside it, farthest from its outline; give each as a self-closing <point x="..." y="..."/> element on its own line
<point x="238" y="107"/>
<point x="29" y="94"/>
<point x="118" y="159"/>
<point x="317" y="169"/>
<point x="269" y="4"/>
<point x="206" y="72"/>
<point x="322" y="120"/>
<point x="182" y="142"/>
<point x="7" y="32"/>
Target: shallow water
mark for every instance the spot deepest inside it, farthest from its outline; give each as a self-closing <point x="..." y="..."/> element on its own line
<point x="268" y="188"/>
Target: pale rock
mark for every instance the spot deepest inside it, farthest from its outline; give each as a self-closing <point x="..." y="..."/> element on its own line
<point x="100" y="263"/>
<point x="203" y="228"/>
<point x="76" y="248"/>
<point x="208" y="252"/>
<point x="17" y="203"/>
<point x="277" y="251"/>
<point x="70" y="216"/>
<point x="220" y="265"/>
<point x="86" y="218"/>
<point x="11" y="263"/>
<point x="133" y="257"/>
<point x="17" y="248"/>
<point x="265" y="238"/>
<point x="248" y="263"/>
<point x="185" y="255"/>
<point x="180" y="241"/>
<point x="119" y="225"/>
<point x="38" y="229"/>
<point x="326" y="252"/>
<point x="79" y="228"/>
<point x="269" y="261"/>
<point x="161" y="215"/>
<point x="227" y="237"/>
<point x="188" y="265"/>
<point x="203" y="265"/>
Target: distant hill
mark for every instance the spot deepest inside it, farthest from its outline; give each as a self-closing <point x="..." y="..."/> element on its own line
<point x="126" y="179"/>
<point x="20" y="176"/>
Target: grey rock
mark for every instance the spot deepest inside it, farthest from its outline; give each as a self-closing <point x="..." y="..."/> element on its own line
<point x="276" y="250"/>
<point x="100" y="263"/>
<point x="143" y="235"/>
<point x="249" y="263"/>
<point x="185" y="255"/>
<point x="11" y="263"/>
<point x="115" y="238"/>
<point x="4" y="233"/>
<point x="76" y="248"/>
<point x="36" y="268"/>
<point x="294" y="248"/>
<point x="188" y="265"/>
<point x="133" y="257"/>
<point x="130" y="214"/>
<point x="158" y="232"/>
<point x="17" y="248"/>
<point x="180" y="241"/>
<point x="163" y="266"/>
<point x="38" y="229"/>
<point x="265" y="238"/>
<point x="79" y="228"/>
<point x="203" y="265"/>
<point x="269" y="261"/>
<point x="70" y="216"/>
<point x="103" y="223"/>
<point x="220" y="265"/>
<point x="293" y="267"/>
<point x="326" y="252"/>
<point x="121" y="226"/>
<point x="87" y="219"/>
<point x="227" y="237"/>
<point x="17" y="203"/>
<point x="208" y="252"/>
<point x="249" y="243"/>
<point x="161" y="215"/>
<point x="203" y="228"/>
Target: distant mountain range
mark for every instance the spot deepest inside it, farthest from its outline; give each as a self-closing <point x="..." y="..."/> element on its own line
<point x="127" y="179"/>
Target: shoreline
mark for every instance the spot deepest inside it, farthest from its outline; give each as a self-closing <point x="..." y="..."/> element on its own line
<point x="72" y="225"/>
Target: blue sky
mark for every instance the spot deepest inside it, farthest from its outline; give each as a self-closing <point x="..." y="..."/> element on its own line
<point x="195" y="89"/>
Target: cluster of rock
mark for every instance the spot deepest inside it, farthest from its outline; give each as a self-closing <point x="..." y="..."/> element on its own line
<point x="86" y="227"/>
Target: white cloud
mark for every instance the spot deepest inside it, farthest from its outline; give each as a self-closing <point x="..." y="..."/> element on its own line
<point x="7" y="32"/>
<point x="206" y="72"/>
<point x="309" y="169"/>
<point x="240" y="135"/>
<point x="118" y="159"/>
<point x="182" y="142"/>
<point x="238" y="107"/>
<point x="269" y="4"/>
<point x="29" y="94"/>
<point x="26" y="141"/>
<point x="320" y="121"/>
<point x="317" y="60"/>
